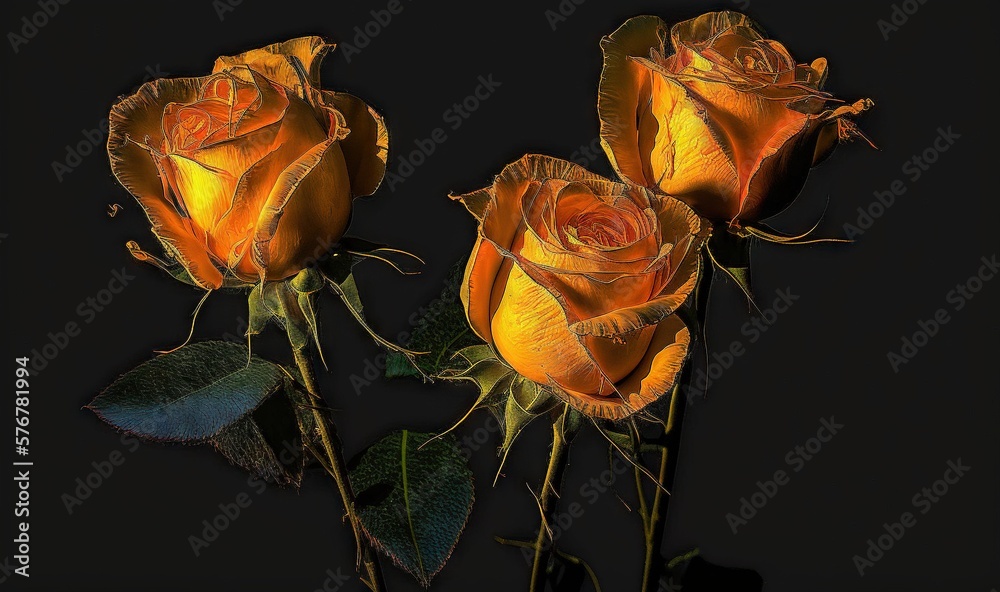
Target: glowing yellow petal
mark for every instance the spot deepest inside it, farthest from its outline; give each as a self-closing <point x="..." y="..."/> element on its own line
<point x="530" y="331"/>
<point x="624" y="97"/>
<point x="206" y="193"/>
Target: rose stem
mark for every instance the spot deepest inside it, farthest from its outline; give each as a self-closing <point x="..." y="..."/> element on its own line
<point x="654" y="525"/>
<point x="548" y="501"/>
<point x="653" y="520"/>
<point x="337" y="469"/>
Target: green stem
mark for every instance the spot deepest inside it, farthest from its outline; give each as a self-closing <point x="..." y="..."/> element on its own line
<point x="337" y="467"/>
<point x="653" y="527"/>
<point x="653" y="522"/>
<point x="547" y="502"/>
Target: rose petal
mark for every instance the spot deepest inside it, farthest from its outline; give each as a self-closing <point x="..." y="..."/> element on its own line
<point x="654" y="375"/>
<point x="692" y="158"/>
<point x="275" y="61"/>
<point x="182" y="244"/>
<point x="206" y="192"/>
<point x="784" y="161"/>
<point x="586" y="289"/>
<point x="530" y="332"/>
<point x="579" y="206"/>
<point x="617" y="358"/>
<point x="297" y="133"/>
<point x="498" y="207"/>
<point x="250" y="134"/>
<point x="366" y="148"/>
<point x="699" y="31"/>
<point x="659" y="369"/>
<point x="673" y="287"/>
<point x="477" y="286"/>
<point x="135" y="123"/>
<point x="624" y="97"/>
<point x="323" y="212"/>
<point x="553" y="207"/>
<point x="780" y="171"/>
<point x="749" y="120"/>
<point x="315" y="217"/>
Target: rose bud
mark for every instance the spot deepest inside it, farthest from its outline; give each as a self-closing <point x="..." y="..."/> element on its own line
<point x="727" y="122"/>
<point x="574" y="281"/>
<point x="246" y="173"/>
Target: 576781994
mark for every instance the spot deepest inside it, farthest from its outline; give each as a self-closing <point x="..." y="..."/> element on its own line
<point x="21" y="400"/>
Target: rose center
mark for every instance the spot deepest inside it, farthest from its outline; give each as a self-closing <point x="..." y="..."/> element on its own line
<point x="222" y="104"/>
<point x="192" y="128"/>
<point x="602" y="229"/>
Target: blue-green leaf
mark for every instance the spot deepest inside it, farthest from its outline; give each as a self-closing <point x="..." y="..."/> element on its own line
<point x="189" y="395"/>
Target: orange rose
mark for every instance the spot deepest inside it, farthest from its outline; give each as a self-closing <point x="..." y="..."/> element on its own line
<point x="574" y="281"/>
<point x="728" y="123"/>
<point x="244" y="172"/>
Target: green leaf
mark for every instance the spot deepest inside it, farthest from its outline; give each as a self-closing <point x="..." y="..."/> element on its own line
<point x="348" y="291"/>
<point x="268" y="441"/>
<point x="189" y="395"/>
<point x="475" y="353"/>
<point x="488" y="375"/>
<point x="527" y="401"/>
<point x="307" y="281"/>
<point x="442" y="331"/>
<point x="414" y="498"/>
<point x="291" y="305"/>
<point x="263" y="307"/>
<point x="731" y="253"/>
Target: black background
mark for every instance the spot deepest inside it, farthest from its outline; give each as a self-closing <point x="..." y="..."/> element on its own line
<point x="826" y="356"/>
